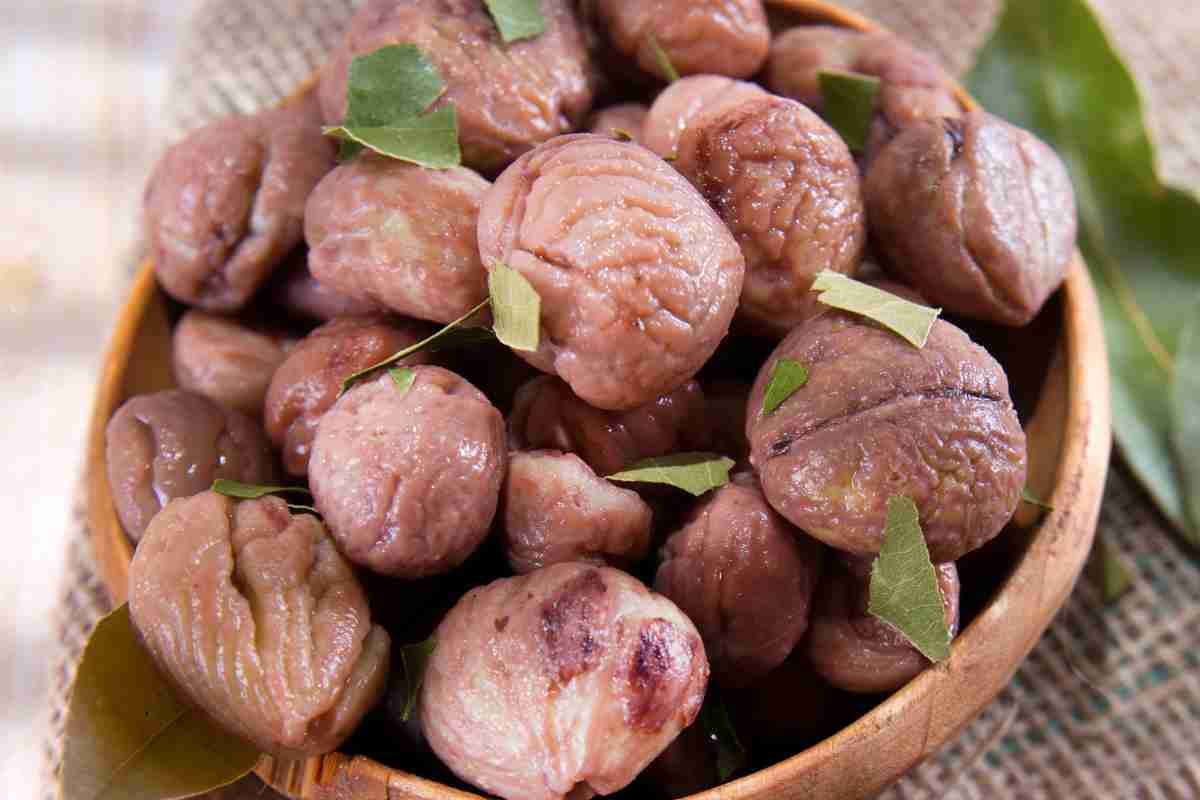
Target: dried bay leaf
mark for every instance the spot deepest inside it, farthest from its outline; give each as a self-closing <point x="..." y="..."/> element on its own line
<point x="849" y="104"/>
<point x="516" y="306"/>
<point x="517" y="19"/>
<point x="904" y="587"/>
<point x="128" y="738"/>
<point x="695" y="473"/>
<point x="1139" y="236"/>
<point x="905" y="318"/>
<point x="788" y="377"/>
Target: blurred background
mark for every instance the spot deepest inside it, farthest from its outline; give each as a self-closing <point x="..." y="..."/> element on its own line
<point x="82" y="83"/>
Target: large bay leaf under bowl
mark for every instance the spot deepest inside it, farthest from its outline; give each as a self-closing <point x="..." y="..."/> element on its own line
<point x="1059" y="374"/>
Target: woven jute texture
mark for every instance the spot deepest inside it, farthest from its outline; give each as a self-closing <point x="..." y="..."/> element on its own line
<point x="1108" y="704"/>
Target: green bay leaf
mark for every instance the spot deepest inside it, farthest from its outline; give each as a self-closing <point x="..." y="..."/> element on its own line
<point x="455" y="334"/>
<point x="848" y="100"/>
<point x="908" y="320"/>
<point x="695" y="473"/>
<point x="1027" y="496"/>
<point x="718" y="729"/>
<point x="1139" y="236"/>
<point x="788" y="377"/>
<point x="517" y="19"/>
<point x="128" y="738"/>
<point x="516" y="306"/>
<point x="390" y="84"/>
<point x="250" y="491"/>
<point x="665" y="67"/>
<point x="1185" y="420"/>
<point x="428" y="141"/>
<point x="904" y="587"/>
<point x="403" y="377"/>
<point x="414" y="658"/>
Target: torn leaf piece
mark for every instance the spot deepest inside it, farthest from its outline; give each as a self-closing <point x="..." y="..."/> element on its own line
<point x="517" y="19"/>
<point x="849" y="104"/>
<point x="516" y="306"/>
<point x="695" y="473"/>
<point x="905" y="318"/>
<point x="787" y="378"/>
<point x="904" y="585"/>
<point x="414" y="658"/>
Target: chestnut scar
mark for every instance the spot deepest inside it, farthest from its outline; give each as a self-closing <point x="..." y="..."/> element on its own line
<point x="783" y="445"/>
<point x="569" y="622"/>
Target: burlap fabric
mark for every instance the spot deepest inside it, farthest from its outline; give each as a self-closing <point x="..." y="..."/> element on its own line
<point x="1108" y="704"/>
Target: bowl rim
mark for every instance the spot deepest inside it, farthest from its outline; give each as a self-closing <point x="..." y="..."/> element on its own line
<point x="934" y="706"/>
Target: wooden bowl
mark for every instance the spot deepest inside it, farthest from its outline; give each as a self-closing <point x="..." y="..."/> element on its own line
<point x="1069" y="441"/>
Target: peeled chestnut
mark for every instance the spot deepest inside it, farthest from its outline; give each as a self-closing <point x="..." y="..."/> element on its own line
<point x="879" y="418"/>
<point x="225" y="206"/>
<point x="258" y="620"/>
<point x="565" y="682"/>
<point x="547" y="415"/>
<point x="975" y="213"/>
<point x="638" y="277"/>
<point x="174" y="444"/>
<point x="554" y="508"/>
<point x="858" y="652"/>
<point x="408" y="478"/>
<point x="745" y="576"/>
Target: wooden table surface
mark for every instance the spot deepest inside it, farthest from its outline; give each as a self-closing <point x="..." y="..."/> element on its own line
<point x="82" y="82"/>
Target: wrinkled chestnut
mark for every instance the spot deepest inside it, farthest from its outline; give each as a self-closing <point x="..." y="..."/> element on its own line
<point x="878" y="418"/>
<point x="745" y="576"/>
<point x="787" y="187"/>
<point x="225" y="361"/>
<point x="561" y="683"/>
<point x="976" y="213"/>
<point x="225" y="206"/>
<point x="639" y="278"/>
<point x="913" y="86"/>
<point x="398" y="235"/>
<point x="547" y="415"/>
<point x="858" y="652"/>
<point x="408" y="479"/>
<point x="258" y="620"/>
<point x="509" y="96"/>
<point x="555" y="509"/>
<point x="725" y="37"/>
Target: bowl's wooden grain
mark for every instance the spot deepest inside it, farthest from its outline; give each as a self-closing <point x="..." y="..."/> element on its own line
<point x="1069" y="437"/>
